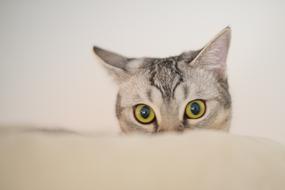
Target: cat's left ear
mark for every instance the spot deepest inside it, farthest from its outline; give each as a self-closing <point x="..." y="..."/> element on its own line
<point x="120" y="67"/>
<point x="214" y="55"/>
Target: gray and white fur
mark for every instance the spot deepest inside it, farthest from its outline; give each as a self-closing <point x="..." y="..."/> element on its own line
<point x="167" y="85"/>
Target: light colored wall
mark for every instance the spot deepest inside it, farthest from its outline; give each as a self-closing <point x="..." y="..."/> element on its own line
<point x="49" y="75"/>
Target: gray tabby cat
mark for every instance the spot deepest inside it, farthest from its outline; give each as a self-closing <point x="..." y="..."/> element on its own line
<point x="188" y="91"/>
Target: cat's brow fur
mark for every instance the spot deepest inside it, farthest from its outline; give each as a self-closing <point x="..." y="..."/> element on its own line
<point x="165" y="75"/>
<point x="168" y="84"/>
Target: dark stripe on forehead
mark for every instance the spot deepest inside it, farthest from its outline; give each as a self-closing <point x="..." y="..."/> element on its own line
<point x="185" y="91"/>
<point x="165" y="75"/>
<point x="149" y="95"/>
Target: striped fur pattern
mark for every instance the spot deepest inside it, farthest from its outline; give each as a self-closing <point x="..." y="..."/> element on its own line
<point x="167" y="85"/>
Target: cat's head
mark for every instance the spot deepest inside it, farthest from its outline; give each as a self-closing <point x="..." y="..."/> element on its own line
<point x="184" y="92"/>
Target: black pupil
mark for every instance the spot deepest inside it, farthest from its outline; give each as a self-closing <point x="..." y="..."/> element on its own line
<point x="145" y="111"/>
<point x="195" y="108"/>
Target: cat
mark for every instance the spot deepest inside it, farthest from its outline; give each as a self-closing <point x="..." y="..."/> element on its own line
<point x="184" y="92"/>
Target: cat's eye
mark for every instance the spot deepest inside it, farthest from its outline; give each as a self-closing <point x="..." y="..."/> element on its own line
<point x="144" y="114"/>
<point x="195" y="109"/>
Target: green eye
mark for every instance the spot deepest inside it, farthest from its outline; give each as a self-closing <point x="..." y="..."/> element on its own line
<point x="144" y="114"/>
<point x="195" y="109"/>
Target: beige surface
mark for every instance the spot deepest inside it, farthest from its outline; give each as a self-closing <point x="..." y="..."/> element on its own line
<point x="199" y="160"/>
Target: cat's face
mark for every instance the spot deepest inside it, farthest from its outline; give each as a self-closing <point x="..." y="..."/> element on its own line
<point x="184" y="92"/>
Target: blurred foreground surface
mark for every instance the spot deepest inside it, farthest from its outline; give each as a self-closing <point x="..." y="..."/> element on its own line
<point x="33" y="160"/>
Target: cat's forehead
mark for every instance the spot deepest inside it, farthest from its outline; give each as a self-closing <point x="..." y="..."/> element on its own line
<point x="166" y="79"/>
<point x="165" y="75"/>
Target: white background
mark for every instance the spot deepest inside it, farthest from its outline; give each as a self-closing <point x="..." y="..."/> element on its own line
<point x="49" y="75"/>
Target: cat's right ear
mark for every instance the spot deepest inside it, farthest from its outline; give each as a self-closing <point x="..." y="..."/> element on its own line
<point x="214" y="55"/>
<point x="120" y="67"/>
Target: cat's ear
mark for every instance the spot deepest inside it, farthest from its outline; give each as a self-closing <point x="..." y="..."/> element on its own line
<point x="214" y="55"/>
<point x="120" y="67"/>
